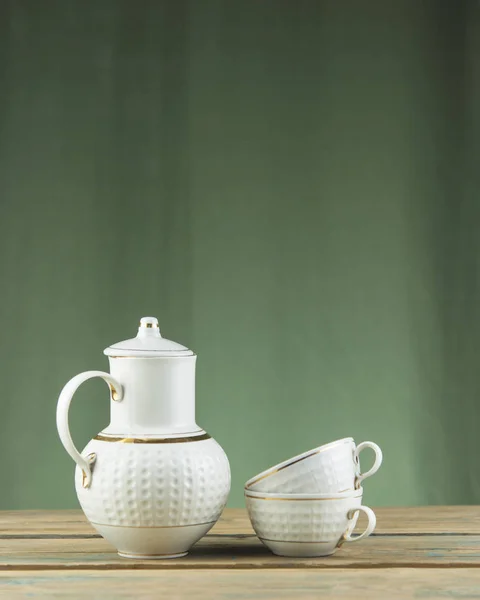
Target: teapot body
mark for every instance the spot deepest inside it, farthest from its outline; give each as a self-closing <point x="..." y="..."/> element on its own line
<point x="152" y="483"/>
<point x="154" y="497"/>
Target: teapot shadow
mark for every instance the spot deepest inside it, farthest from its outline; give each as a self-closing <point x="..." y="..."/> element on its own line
<point x="230" y="546"/>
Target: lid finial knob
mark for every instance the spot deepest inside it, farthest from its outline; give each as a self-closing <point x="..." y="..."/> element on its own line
<point x="148" y="326"/>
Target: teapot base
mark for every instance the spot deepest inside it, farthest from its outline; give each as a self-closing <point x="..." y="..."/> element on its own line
<point x="151" y="556"/>
<point x="150" y="543"/>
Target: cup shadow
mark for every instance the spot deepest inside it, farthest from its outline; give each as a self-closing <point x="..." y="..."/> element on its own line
<point x="233" y="546"/>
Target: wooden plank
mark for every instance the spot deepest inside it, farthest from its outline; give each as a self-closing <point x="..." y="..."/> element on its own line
<point x="74" y="523"/>
<point x="245" y="552"/>
<point x="405" y="520"/>
<point x="438" y="520"/>
<point x="278" y="584"/>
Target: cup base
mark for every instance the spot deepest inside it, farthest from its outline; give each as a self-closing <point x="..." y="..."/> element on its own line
<point x="300" y="549"/>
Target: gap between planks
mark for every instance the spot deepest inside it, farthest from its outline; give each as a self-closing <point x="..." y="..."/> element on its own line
<point x="238" y="567"/>
<point x="96" y="536"/>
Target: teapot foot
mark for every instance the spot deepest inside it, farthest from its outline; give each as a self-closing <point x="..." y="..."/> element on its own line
<point x="151" y="556"/>
<point x="152" y="542"/>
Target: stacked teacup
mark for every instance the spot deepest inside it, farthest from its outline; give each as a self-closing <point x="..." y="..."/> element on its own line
<point x="309" y="505"/>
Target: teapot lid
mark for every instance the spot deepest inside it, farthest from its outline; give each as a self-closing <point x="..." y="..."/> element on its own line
<point x="148" y="343"/>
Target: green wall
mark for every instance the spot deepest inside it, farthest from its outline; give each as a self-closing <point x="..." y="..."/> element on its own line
<point x="289" y="186"/>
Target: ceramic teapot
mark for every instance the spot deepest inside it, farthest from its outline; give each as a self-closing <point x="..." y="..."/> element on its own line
<point x="153" y="482"/>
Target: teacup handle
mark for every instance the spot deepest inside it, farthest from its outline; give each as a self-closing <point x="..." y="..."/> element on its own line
<point x="63" y="405"/>
<point x="372" y="521"/>
<point x="376" y="465"/>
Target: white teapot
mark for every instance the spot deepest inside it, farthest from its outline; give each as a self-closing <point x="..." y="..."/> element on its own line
<point x="153" y="482"/>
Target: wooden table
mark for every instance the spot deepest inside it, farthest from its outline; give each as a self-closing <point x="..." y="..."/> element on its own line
<point x="428" y="552"/>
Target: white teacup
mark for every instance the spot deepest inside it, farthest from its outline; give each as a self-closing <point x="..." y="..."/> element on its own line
<point x="331" y="468"/>
<point x="307" y="524"/>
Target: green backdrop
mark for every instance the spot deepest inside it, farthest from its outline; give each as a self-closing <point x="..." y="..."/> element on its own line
<point x="291" y="187"/>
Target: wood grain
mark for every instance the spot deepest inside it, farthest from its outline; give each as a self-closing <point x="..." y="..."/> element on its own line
<point x="278" y="584"/>
<point x="439" y="520"/>
<point x="245" y="552"/>
<point x="429" y="552"/>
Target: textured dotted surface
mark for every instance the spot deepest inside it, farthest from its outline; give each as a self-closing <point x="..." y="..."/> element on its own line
<point x="155" y="484"/>
<point x="324" y="472"/>
<point x="325" y="520"/>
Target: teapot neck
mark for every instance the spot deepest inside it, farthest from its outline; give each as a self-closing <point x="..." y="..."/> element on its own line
<point x="159" y="396"/>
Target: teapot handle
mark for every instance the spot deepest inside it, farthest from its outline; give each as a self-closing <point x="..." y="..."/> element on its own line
<point x="63" y="406"/>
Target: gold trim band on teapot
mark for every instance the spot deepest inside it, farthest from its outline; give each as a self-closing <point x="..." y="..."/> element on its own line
<point x="152" y="440"/>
